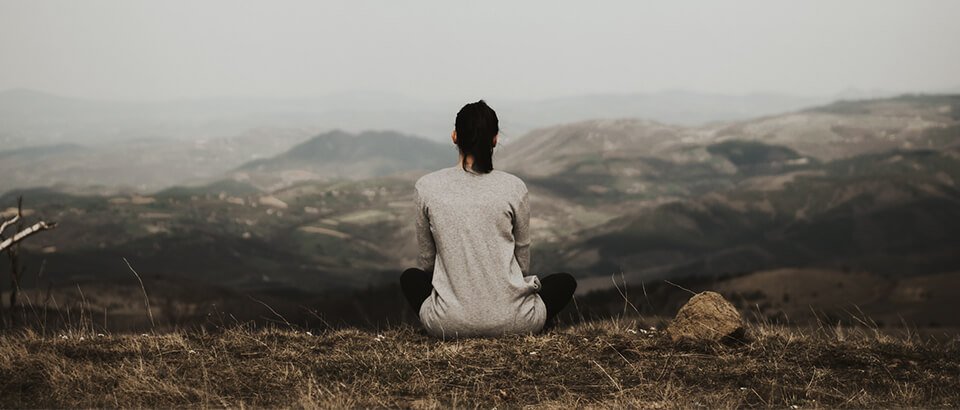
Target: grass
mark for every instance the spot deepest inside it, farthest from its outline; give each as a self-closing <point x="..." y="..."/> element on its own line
<point x="609" y="363"/>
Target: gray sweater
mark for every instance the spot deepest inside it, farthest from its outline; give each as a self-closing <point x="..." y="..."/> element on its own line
<point x="473" y="232"/>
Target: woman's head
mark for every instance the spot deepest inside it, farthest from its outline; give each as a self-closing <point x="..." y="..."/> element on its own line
<point x="476" y="134"/>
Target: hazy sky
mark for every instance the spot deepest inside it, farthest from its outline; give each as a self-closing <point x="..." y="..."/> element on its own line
<point x="459" y="50"/>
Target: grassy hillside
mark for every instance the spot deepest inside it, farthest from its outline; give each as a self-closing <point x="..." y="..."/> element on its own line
<point x="313" y="235"/>
<point x="615" y="364"/>
<point x="338" y="155"/>
<point x="891" y="213"/>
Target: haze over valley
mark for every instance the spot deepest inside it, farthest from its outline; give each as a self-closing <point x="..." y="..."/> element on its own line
<point x="190" y="141"/>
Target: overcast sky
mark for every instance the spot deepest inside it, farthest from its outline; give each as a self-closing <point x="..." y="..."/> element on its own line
<point x="459" y="50"/>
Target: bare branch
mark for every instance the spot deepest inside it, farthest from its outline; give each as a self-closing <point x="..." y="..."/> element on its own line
<point x="19" y="236"/>
<point x="15" y="219"/>
<point x="9" y="222"/>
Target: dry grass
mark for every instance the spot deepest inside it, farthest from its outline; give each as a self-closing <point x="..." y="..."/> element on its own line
<point x="612" y="363"/>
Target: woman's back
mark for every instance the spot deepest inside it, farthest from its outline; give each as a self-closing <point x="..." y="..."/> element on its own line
<point x="473" y="233"/>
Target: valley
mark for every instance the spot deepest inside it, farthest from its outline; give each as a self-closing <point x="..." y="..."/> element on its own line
<point x="862" y="187"/>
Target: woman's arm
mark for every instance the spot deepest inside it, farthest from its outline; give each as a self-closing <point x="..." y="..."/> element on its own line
<point x="521" y="233"/>
<point x="426" y="245"/>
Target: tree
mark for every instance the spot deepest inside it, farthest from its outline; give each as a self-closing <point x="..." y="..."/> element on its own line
<point x="11" y="245"/>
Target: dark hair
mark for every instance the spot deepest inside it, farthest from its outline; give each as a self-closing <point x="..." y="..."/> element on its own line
<point x="476" y="126"/>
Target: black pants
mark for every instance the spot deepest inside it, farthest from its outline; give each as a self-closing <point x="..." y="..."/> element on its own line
<point x="556" y="290"/>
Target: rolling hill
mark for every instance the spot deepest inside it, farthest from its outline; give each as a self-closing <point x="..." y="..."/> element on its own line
<point x="676" y="192"/>
<point x="849" y="128"/>
<point x="338" y="154"/>
<point x="891" y="213"/>
<point x="139" y="165"/>
<point x="838" y="130"/>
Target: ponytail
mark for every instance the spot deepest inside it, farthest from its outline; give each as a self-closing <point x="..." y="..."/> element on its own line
<point x="476" y="126"/>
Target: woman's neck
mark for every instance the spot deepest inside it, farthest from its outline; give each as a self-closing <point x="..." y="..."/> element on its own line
<point x="465" y="162"/>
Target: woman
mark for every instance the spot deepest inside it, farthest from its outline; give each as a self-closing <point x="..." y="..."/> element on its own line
<point x="473" y="232"/>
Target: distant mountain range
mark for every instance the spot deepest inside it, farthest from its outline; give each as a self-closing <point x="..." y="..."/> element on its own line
<point x="849" y="186"/>
<point x="837" y="130"/>
<point x="146" y="146"/>
<point x="138" y="165"/>
<point x="33" y="118"/>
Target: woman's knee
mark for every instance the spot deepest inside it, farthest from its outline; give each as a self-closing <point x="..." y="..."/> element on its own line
<point x="562" y="280"/>
<point x="413" y="275"/>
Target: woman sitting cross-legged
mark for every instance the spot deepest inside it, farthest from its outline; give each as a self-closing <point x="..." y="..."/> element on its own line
<point x="473" y="233"/>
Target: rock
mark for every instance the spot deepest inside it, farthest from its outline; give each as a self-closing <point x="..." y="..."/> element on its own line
<point x="707" y="316"/>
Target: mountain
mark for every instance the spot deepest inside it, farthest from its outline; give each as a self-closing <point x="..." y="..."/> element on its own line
<point x="849" y="128"/>
<point x="142" y="165"/>
<point x="678" y="107"/>
<point x="892" y="213"/>
<point x="858" y="184"/>
<point x="338" y="155"/>
<point x="641" y="162"/>
<point x="554" y="150"/>
<point x="837" y="130"/>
